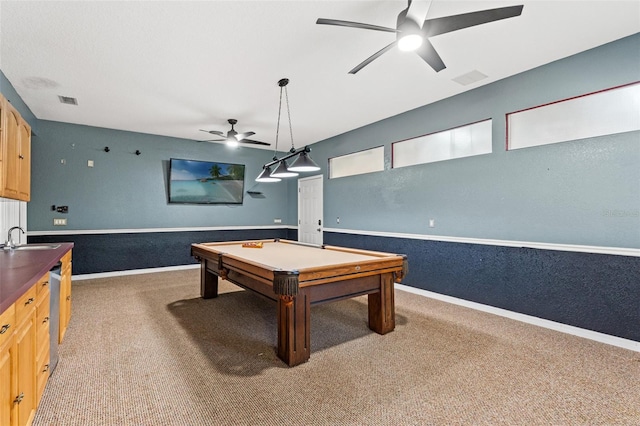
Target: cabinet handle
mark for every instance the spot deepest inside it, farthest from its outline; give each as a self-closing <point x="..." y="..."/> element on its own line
<point x="29" y="301"/>
<point x="4" y="328"/>
<point x="21" y="157"/>
<point x="45" y="283"/>
<point x="46" y="368"/>
<point x="45" y="319"/>
<point x="68" y="297"/>
<point x="19" y="399"/>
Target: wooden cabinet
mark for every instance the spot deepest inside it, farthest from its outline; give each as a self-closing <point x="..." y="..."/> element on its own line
<point x="25" y="344"/>
<point x="15" y="154"/>
<point x="24" y="355"/>
<point x="7" y="327"/>
<point x="65" y="295"/>
<point x="24" y="402"/>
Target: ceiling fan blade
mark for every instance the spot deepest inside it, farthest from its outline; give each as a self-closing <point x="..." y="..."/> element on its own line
<point x="428" y="53"/>
<point x="213" y="140"/>
<point x="213" y="132"/>
<point x="418" y="10"/>
<point x="323" y="21"/>
<point x="254" y="142"/>
<point x="372" y="58"/>
<point x="241" y="136"/>
<point x="446" y="24"/>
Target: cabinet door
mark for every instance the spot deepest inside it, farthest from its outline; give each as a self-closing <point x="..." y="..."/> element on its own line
<point x="11" y="155"/>
<point x="65" y="296"/>
<point x="6" y="382"/>
<point x="25" y="399"/>
<point x="24" y="160"/>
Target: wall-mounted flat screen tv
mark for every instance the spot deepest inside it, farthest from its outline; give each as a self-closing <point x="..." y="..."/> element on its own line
<point x="205" y="182"/>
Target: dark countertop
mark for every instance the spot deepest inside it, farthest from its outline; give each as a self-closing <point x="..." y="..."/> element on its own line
<point x="21" y="269"/>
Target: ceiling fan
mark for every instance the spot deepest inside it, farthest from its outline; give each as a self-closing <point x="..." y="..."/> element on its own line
<point x="232" y="137"/>
<point x="413" y="30"/>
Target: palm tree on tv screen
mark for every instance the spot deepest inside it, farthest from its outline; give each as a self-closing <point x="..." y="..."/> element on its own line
<point x="215" y="171"/>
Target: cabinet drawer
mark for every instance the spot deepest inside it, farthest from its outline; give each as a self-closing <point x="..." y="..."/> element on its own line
<point x="42" y="375"/>
<point x="42" y="308"/>
<point x="7" y="324"/>
<point x="42" y="338"/>
<point x="25" y="305"/>
<point x="42" y="284"/>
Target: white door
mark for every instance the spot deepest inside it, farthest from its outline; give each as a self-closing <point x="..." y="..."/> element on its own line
<point x="310" y="219"/>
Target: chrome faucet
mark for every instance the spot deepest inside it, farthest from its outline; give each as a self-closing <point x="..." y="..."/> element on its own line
<point x="10" y="244"/>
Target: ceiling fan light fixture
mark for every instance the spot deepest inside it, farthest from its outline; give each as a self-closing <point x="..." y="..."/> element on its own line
<point x="409" y="42"/>
<point x="304" y="163"/>
<point x="409" y="34"/>
<point x="265" y="176"/>
<point x="232" y="142"/>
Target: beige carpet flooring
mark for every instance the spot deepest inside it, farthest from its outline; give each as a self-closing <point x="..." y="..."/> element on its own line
<point x="147" y="350"/>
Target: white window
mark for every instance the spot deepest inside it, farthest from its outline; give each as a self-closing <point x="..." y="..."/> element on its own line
<point x="367" y="161"/>
<point x="465" y="141"/>
<point x="608" y="112"/>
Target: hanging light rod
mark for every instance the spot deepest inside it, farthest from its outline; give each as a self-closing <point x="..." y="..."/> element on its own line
<point x="291" y="153"/>
<point x="303" y="163"/>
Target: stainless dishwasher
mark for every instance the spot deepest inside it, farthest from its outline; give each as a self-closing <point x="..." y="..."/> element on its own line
<point x="54" y="315"/>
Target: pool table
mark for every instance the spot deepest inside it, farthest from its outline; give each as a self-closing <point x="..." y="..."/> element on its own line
<point x="298" y="276"/>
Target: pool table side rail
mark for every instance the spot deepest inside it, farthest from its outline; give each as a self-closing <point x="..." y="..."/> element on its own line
<point x="322" y="275"/>
<point x="257" y="270"/>
<point x="385" y="262"/>
<point x="289" y="282"/>
<point x="212" y="246"/>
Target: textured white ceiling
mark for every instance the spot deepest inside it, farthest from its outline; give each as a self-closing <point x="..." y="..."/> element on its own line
<point x="173" y="67"/>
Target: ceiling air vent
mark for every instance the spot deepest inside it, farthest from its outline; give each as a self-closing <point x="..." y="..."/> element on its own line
<point x="68" y="100"/>
<point x="470" y="77"/>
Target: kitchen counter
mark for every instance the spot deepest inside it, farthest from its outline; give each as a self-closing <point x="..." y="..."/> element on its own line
<point x="21" y="269"/>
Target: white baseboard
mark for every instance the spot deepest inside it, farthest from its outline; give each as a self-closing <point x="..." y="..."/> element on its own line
<point x="133" y="272"/>
<point x="552" y="325"/>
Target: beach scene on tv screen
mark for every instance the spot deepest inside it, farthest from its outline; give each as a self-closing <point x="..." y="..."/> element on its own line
<point x="204" y="182"/>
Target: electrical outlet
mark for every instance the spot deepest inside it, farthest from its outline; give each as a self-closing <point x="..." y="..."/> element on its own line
<point x="60" y="222"/>
<point x="89" y="163"/>
<point x="432" y="223"/>
<point x="277" y="220"/>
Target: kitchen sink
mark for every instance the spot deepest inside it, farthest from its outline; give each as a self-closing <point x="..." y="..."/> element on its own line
<point x="28" y="247"/>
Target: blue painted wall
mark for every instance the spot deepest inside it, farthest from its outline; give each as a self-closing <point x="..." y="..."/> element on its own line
<point x="128" y="191"/>
<point x="596" y="292"/>
<point x="557" y="193"/>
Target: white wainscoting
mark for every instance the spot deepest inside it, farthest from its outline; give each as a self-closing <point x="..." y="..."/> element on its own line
<point x="13" y="213"/>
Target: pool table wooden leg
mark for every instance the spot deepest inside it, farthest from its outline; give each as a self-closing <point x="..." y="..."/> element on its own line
<point x="382" y="315"/>
<point x="208" y="282"/>
<point x="294" y="328"/>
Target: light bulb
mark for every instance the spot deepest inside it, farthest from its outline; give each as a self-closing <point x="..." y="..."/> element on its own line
<point x="409" y="42"/>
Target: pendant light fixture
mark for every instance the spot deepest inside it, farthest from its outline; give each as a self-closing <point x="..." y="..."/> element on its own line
<point x="303" y="163"/>
<point x="265" y="176"/>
